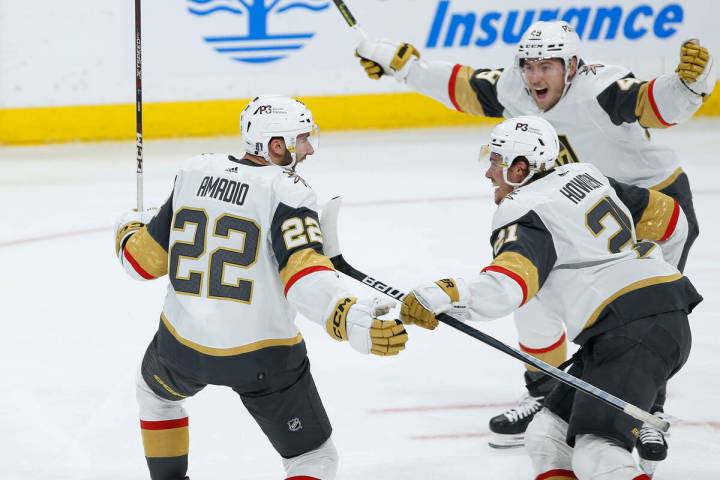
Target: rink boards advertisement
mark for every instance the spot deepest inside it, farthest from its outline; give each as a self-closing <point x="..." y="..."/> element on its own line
<point x="68" y="69"/>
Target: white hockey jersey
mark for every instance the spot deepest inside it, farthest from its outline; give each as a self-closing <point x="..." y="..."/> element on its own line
<point x="571" y="239"/>
<point x="234" y="239"/>
<point x="602" y="119"/>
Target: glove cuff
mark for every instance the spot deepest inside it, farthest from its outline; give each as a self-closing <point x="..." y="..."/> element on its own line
<point x="336" y="324"/>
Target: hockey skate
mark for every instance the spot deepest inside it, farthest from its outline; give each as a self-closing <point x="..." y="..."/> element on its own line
<point x="652" y="447"/>
<point x="508" y="429"/>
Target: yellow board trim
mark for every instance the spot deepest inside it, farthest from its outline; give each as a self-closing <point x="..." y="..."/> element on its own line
<point x="227" y="352"/>
<point x="632" y="287"/>
<point x="37" y="125"/>
<point x="20" y="126"/>
<point x="668" y="181"/>
<point x="657" y="215"/>
<point x="173" y="442"/>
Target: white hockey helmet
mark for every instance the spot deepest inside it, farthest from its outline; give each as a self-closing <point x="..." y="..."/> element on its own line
<point x="545" y="40"/>
<point x="270" y="116"/>
<point x="532" y="138"/>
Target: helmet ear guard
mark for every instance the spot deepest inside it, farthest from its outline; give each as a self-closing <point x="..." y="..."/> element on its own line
<point x="532" y="138"/>
<point x="273" y="116"/>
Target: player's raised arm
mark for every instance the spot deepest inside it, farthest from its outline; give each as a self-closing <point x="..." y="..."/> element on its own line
<point x="667" y="99"/>
<point x="456" y="86"/>
<point x="657" y="217"/>
<point x="141" y="241"/>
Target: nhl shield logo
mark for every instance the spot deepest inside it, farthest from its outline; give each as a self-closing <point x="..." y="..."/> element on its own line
<point x="294" y="425"/>
<point x="256" y="44"/>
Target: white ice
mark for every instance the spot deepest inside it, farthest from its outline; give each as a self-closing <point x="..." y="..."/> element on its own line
<point x="75" y="326"/>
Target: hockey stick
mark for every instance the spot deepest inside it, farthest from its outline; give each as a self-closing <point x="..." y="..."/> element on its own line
<point x="328" y="223"/>
<point x="349" y="18"/>
<point x="138" y="108"/>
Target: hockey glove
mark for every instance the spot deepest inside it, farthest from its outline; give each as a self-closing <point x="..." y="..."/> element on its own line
<point x="355" y="321"/>
<point x="384" y="57"/>
<point x="129" y="223"/>
<point x="424" y="303"/>
<point x="696" y="68"/>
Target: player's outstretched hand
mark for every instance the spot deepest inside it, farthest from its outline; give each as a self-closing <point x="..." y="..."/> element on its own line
<point x="384" y="57"/>
<point x="696" y="68"/>
<point x="130" y="222"/>
<point x="365" y="332"/>
<point x="425" y="302"/>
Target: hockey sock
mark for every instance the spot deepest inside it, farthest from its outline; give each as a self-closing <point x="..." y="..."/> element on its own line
<point x="166" y="443"/>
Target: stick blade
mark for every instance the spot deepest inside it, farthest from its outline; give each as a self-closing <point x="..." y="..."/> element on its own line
<point x="329" y="227"/>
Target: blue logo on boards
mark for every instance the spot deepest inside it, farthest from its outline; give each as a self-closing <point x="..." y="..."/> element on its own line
<point x="453" y="29"/>
<point x="257" y="45"/>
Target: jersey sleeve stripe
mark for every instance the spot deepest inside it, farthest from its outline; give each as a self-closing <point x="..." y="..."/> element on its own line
<point x="452" y="85"/>
<point x="513" y="275"/>
<point x="136" y="266"/>
<point x="519" y="268"/>
<point x="147" y="254"/>
<point x="557" y="475"/>
<point x="673" y="223"/>
<point x="303" y="273"/>
<point x="659" y="218"/>
<point x="303" y="262"/>
<point x="462" y="93"/>
<point x="653" y="104"/>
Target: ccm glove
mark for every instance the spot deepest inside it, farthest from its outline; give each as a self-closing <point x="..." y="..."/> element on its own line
<point x="130" y="222"/>
<point x="383" y="57"/>
<point x="696" y="68"/>
<point x="356" y="321"/>
<point x="424" y="303"/>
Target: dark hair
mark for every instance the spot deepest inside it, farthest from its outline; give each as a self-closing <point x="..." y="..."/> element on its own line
<point x="538" y="175"/>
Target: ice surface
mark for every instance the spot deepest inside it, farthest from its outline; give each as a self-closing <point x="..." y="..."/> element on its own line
<point x="416" y="208"/>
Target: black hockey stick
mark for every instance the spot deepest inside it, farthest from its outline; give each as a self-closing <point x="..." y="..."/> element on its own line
<point x="329" y="221"/>
<point x="138" y="108"/>
<point x="349" y="18"/>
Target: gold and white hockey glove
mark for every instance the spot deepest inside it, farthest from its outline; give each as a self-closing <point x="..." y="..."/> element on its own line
<point x="383" y="57"/>
<point x="129" y="223"/>
<point x="696" y="68"/>
<point x="356" y="321"/>
<point x="425" y="302"/>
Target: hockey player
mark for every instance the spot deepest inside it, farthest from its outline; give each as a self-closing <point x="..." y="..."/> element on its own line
<point x="568" y="237"/>
<point x="602" y="113"/>
<point x="240" y="241"/>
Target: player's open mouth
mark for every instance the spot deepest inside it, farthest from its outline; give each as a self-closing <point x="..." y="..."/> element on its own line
<point x="541" y="93"/>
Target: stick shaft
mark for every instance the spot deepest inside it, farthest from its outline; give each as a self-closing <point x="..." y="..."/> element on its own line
<point x="329" y="226"/>
<point x="138" y="106"/>
<point x="345" y="12"/>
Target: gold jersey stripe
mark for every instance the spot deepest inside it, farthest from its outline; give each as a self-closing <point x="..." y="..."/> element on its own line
<point x="656" y="217"/>
<point x="521" y="266"/>
<point x="630" y="288"/>
<point x="301" y="260"/>
<point x="553" y="355"/>
<point x="227" y="352"/>
<point x="646" y="110"/>
<point x="173" y="442"/>
<point x="462" y="94"/>
<point x="668" y="181"/>
<point x="148" y="253"/>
